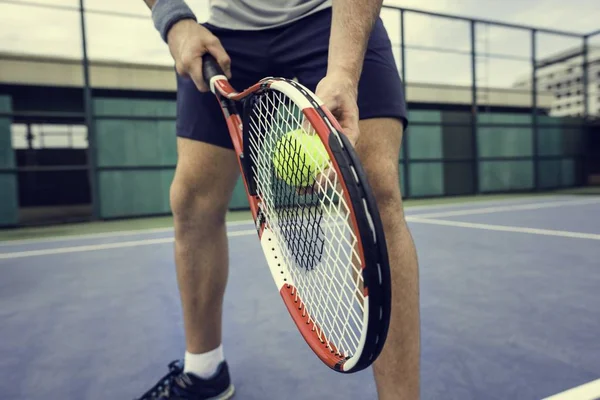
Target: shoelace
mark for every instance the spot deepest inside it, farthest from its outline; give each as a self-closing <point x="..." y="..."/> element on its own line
<point x="163" y="387"/>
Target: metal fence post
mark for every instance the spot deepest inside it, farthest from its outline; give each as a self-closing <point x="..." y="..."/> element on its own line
<point x="586" y="112"/>
<point x="585" y="79"/>
<point x="534" y="114"/>
<point x="89" y="122"/>
<point x="474" y="109"/>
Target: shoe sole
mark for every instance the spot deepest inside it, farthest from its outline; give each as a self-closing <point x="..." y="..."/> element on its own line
<point x="226" y="395"/>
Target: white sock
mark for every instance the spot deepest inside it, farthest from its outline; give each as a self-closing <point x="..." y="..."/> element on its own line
<point x="204" y="365"/>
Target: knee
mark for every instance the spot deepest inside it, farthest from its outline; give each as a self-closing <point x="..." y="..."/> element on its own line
<point x="385" y="184"/>
<point x="197" y="205"/>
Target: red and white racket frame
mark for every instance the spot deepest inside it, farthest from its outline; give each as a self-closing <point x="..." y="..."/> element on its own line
<point x="365" y="218"/>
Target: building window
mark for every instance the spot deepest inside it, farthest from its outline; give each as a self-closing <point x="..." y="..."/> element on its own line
<point x="558" y="85"/>
<point x="579" y="92"/>
<point x="570" y="70"/>
<point x="578" y="79"/>
<point x="45" y="136"/>
<point x="558" y="107"/>
<point x="549" y="87"/>
<point x="558" y="96"/>
<point x="569" y="94"/>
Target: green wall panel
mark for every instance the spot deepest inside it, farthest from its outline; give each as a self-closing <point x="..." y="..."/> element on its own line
<point x="550" y="174"/>
<point x="456" y="117"/>
<point x="572" y="141"/>
<point x="504" y="119"/>
<point x="457" y="142"/>
<point x="458" y="178"/>
<point x="504" y="142"/>
<point x="134" y="193"/>
<point x="7" y="158"/>
<point x="567" y="175"/>
<point x="7" y="154"/>
<point x="425" y="142"/>
<point x="239" y="200"/>
<point x="426" y="179"/>
<point x="9" y="201"/>
<point x="134" y="107"/>
<point x="505" y="175"/>
<point x="123" y="143"/>
<point x="5" y="103"/>
<point x="560" y="121"/>
<point x="430" y="116"/>
<point x="550" y="141"/>
<point x="551" y="121"/>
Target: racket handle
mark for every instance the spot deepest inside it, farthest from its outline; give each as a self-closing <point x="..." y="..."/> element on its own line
<point x="210" y="68"/>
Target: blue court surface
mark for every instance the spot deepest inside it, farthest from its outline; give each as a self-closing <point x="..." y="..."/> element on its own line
<point x="510" y="309"/>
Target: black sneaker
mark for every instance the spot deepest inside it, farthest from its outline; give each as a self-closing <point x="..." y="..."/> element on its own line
<point x="177" y="385"/>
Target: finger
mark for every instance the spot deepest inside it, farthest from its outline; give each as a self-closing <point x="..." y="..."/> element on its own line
<point x="216" y="49"/>
<point x="181" y="70"/>
<point x="195" y="73"/>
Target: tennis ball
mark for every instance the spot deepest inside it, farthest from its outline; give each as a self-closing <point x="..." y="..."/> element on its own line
<point x="299" y="157"/>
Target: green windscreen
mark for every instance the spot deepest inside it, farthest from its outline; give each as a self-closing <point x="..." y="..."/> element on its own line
<point x="9" y="204"/>
<point x="136" y="154"/>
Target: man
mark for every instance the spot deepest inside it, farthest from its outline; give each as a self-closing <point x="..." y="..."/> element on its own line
<point x="338" y="48"/>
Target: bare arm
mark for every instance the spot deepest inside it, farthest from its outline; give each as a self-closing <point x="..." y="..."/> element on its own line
<point x="351" y="27"/>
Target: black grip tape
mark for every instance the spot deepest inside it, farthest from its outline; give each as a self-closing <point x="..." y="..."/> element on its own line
<point x="210" y="68"/>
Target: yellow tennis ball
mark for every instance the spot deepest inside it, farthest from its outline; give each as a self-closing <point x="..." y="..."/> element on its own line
<point x="299" y="157"/>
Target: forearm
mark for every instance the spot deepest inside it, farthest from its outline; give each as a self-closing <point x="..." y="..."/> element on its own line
<point x="351" y="27"/>
<point x="166" y="13"/>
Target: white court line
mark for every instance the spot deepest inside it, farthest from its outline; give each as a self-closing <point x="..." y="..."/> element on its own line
<point x="514" y="207"/>
<point x="106" y="246"/>
<point x="588" y="391"/>
<point x="468" y="211"/>
<point x="243" y="222"/>
<point x="502" y="228"/>
<point x="105" y="234"/>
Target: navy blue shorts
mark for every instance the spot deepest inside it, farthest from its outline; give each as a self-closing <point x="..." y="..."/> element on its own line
<point x="298" y="50"/>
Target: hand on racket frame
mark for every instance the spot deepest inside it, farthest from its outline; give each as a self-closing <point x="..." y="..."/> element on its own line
<point x="315" y="216"/>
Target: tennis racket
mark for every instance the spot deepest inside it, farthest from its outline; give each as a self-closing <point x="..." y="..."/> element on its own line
<point x="315" y="216"/>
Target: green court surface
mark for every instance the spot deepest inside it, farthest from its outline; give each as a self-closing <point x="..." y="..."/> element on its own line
<point x="166" y="221"/>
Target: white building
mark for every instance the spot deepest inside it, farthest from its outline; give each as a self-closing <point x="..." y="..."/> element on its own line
<point x="565" y="81"/>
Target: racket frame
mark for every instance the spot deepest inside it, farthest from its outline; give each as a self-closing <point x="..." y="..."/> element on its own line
<point x="375" y="251"/>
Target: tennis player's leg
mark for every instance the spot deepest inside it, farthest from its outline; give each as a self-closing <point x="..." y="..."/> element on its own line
<point x="200" y="193"/>
<point x="205" y="177"/>
<point x="397" y="368"/>
<point x="303" y="48"/>
<point x="206" y="174"/>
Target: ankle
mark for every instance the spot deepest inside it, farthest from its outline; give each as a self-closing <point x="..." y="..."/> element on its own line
<point x="204" y="365"/>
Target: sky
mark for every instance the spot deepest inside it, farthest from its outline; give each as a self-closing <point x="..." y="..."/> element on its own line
<point x="33" y="30"/>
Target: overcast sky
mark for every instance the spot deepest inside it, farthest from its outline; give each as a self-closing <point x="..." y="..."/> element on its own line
<point x="27" y="29"/>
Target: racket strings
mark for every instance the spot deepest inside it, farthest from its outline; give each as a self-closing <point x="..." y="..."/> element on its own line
<point x="313" y="230"/>
<point x="327" y="313"/>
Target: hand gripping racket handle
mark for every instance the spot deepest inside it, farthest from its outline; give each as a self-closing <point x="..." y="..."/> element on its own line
<point x="210" y="68"/>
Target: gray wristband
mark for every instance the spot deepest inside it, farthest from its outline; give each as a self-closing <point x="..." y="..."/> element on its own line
<point x="166" y="13"/>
